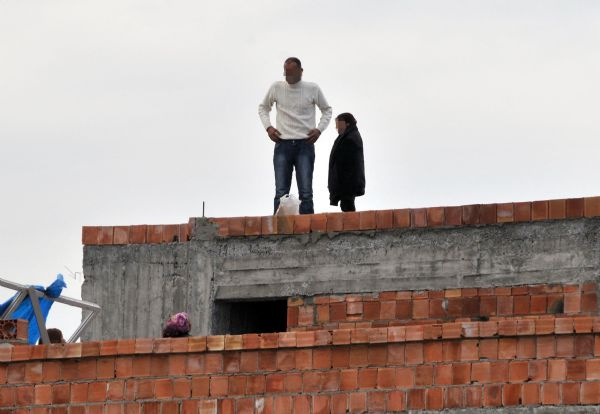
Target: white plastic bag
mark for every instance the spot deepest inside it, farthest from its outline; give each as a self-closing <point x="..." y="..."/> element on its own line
<point x="288" y="205"/>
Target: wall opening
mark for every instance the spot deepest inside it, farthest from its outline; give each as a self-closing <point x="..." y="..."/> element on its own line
<point x="235" y="318"/>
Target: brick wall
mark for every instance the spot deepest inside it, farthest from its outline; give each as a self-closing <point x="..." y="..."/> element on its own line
<point x="475" y="214"/>
<point x="517" y="361"/>
<point x="405" y="307"/>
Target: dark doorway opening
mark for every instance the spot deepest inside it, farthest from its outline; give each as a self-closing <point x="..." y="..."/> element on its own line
<point x="237" y="318"/>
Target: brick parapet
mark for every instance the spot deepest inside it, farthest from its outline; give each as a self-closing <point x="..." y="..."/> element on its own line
<point x="414" y="307"/>
<point x="513" y="362"/>
<point x="455" y="216"/>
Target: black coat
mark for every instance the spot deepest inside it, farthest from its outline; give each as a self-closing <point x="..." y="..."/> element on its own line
<point x="346" y="166"/>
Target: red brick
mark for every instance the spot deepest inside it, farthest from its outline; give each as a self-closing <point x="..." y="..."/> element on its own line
<point x="538" y="370"/>
<point x="432" y="351"/>
<point x="435" y="216"/>
<point x="550" y="393"/>
<point x="507" y="348"/>
<point x="589" y="302"/>
<point x="570" y="393"/>
<point x="401" y="218"/>
<point x="505" y="305"/>
<point x="557" y="209"/>
<point x="154" y="234"/>
<point x="488" y="305"/>
<point x="505" y="213"/>
<point x="337" y="311"/>
<point x="593" y="369"/>
<point x="518" y="371"/>
<point x="572" y="303"/>
<point x="442" y="374"/>
<point x="434" y="399"/>
<point x="420" y="309"/>
<point x="384" y="219"/>
<point x="268" y="225"/>
<point x="488" y="348"/>
<point x="405" y="377"/>
<point x="97" y="392"/>
<point x="522" y="211"/>
<point x="351" y="221"/>
<point x="492" y="396"/>
<point x="574" y="208"/>
<point x="557" y="369"/>
<point x="367" y="378"/>
<point x="403" y="309"/>
<point x="521" y="305"/>
<point x="565" y="346"/>
<point x="42" y="394"/>
<point x="121" y="235"/>
<point x="576" y="370"/>
<point x="105" y="235"/>
<point x="416" y="399"/>
<point x="89" y="235"/>
<point x="539" y="210"/>
<point x="396" y="354"/>
<point x="461" y="374"/>
<point x="526" y="347"/>
<point x="487" y="214"/>
<point x="451" y="351"/>
<point x="591" y="206"/>
<point x="470" y="214"/>
<point x="473" y="397"/>
<point x="219" y="386"/>
<point x="481" y="372"/>
<point x="507" y="327"/>
<point x="546" y="346"/>
<point x="469" y="350"/>
<point x="590" y="393"/>
<point x="367" y="220"/>
<point x="418" y="217"/>
<point x="424" y="375"/>
<point x="530" y="394"/>
<point x="511" y="394"/>
<point x="386" y="377"/>
<point x="396" y="401"/>
<point x="170" y="233"/>
<point x="452" y="216"/>
<point x="358" y="402"/>
<point x="302" y="224"/>
<point x="252" y="226"/>
<point x="414" y="353"/>
<point x="285" y="224"/>
<point x="454" y="397"/>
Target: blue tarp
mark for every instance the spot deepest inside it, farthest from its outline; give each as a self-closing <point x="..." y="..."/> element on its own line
<point x="25" y="309"/>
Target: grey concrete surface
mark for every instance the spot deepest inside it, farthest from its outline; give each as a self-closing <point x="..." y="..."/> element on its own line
<point x="139" y="286"/>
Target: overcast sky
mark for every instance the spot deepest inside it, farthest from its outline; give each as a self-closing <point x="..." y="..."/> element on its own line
<point x="130" y="112"/>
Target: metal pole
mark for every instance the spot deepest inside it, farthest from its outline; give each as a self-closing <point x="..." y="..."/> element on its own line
<point x="33" y="295"/>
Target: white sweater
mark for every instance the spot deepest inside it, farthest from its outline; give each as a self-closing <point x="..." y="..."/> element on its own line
<point x="295" y="108"/>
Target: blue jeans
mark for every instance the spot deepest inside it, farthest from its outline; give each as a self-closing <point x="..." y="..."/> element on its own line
<point x="290" y="153"/>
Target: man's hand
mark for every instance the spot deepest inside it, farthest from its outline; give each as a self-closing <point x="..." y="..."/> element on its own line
<point x="274" y="134"/>
<point x="313" y="135"/>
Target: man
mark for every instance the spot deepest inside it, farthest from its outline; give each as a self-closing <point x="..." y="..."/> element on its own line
<point x="296" y="131"/>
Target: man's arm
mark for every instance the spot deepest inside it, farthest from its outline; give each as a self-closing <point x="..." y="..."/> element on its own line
<point x="264" y="109"/>
<point x="326" y="111"/>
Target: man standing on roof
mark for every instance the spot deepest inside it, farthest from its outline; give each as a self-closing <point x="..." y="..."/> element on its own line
<point x="296" y="131"/>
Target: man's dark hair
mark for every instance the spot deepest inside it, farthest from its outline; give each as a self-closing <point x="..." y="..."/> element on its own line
<point x="295" y="60"/>
<point x="55" y="335"/>
<point x="347" y="117"/>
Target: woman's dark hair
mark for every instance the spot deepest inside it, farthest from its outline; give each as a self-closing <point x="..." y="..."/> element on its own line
<point x="347" y="117"/>
<point x="295" y="60"/>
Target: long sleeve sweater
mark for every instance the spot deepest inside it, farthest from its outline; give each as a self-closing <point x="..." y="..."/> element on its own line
<point x="295" y="108"/>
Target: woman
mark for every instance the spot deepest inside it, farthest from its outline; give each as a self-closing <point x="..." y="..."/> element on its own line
<point x="346" y="164"/>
